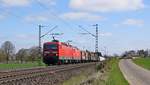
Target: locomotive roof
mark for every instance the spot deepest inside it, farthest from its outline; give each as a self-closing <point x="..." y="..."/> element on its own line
<point x="63" y="43"/>
<point x="67" y="44"/>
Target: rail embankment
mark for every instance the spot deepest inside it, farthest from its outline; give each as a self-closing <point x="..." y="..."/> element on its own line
<point x="107" y="74"/>
<point x="52" y="75"/>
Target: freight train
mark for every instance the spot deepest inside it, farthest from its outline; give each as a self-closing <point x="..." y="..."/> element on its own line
<point x="56" y="52"/>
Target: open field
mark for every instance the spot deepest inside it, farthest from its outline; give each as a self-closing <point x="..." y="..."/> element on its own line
<point x="143" y="62"/>
<point x="18" y="65"/>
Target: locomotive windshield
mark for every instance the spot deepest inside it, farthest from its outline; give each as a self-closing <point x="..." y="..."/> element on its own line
<point x="50" y="46"/>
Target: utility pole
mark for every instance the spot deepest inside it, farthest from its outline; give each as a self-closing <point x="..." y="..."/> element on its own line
<point x="40" y="27"/>
<point x="96" y="41"/>
<point x="96" y="38"/>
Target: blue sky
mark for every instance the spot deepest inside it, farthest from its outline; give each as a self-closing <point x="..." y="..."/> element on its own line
<point x="123" y="24"/>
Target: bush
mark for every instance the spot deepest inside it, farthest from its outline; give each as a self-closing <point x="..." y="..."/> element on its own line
<point x="99" y="66"/>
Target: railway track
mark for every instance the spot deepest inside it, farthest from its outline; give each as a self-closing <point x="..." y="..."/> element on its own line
<point x="17" y="75"/>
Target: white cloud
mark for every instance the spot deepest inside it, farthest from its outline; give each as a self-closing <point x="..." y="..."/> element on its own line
<point x="130" y="22"/>
<point x="2" y="17"/>
<point x="81" y="16"/>
<point x="133" y="22"/>
<point x="36" y="18"/>
<point x="18" y="3"/>
<point x="106" y="5"/>
<point x="48" y="2"/>
<point x="10" y="3"/>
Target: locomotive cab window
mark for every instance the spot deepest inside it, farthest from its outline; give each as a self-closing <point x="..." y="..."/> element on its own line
<point x="50" y="46"/>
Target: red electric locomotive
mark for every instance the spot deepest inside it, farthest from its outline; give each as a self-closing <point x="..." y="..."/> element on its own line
<point x="56" y="52"/>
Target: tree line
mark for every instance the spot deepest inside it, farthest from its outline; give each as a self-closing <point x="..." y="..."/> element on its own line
<point x="8" y="53"/>
<point x="138" y="53"/>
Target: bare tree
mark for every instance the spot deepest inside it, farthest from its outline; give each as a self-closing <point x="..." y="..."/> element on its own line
<point x="21" y="55"/>
<point x="27" y="54"/>
<point x="8" y="49"/>
<point x="34" y="51"/>
<point x="141" y="53"/>
<point x="2" y="56"/>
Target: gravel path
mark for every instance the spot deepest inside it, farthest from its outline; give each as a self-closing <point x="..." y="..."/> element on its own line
<point x="133" y="73"/>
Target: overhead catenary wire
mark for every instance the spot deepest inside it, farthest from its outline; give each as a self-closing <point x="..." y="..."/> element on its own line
<point x="49" y="31"/>
<point x="86" y="31"/>
<point x="52" y="13"/>
<point x="10" y="13"/>
<point x="67" y="22"/>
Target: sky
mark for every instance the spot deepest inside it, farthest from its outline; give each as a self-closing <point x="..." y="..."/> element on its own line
<point x="123" y="24"/>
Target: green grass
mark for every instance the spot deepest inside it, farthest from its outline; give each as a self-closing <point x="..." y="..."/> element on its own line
<point x="112" y="75"/>
<point x="18" y="66"/>
<point x="143" y="62"/>
<point x="115" y="77"/>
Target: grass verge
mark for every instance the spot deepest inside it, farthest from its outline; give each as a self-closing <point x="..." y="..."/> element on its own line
<point x="112" y="75"/>
<point x="143" y="62"/>
<point x="115" y="77"/>
<point x="18" y="66"/>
